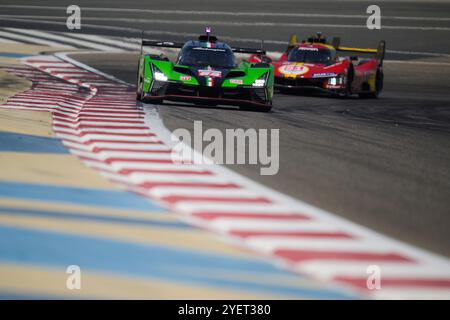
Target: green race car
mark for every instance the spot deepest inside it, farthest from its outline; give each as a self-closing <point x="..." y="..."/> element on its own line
<point x="205" y="72"/>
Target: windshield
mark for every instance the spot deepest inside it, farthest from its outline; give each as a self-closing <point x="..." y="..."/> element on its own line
<point x="196" y="56"/>
<point x="310" y="55"/>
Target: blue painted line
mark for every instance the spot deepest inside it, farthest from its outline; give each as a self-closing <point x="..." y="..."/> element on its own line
<point x="17" y="142"/>
<point x="90" y="217"/>
<point x="13" y="55"/>
<point x="32" y="247"/>
<point x="8" y="295"/>
<point x="76" y="195"/>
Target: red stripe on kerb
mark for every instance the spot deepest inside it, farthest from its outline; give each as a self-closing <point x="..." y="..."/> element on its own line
<point x="108" y="108"/>
<point x="274" y="216"/>
<point x="44" y="61"/>
<point x="305" y="255"/>
<point x="398" y="282"/>
<point x="91" y="141"/>
<point x="149" y="185"/>
<point x="60" y="67"/>
<point x="293" y="234"/>
<point x="111" y="160"/>
<point x="100" y="149"/>
<point x="81" y="134"/>
<point x="122" y="141"/>
<point x="66" y="72"/>
<point x="174" y="171"/>
<point x="86" y="126"/>
<point x="175" y="199"/>
<point x="77" y="120"/>
<point x="117" y="112"/>
<point x="106" y="116"/>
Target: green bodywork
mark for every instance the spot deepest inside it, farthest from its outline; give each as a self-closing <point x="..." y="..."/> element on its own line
<point x="252" y="73"/>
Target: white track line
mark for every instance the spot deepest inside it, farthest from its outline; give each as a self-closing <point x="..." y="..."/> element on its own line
<point x="34" y="40"/>
<point x="4" y="40"/>
<point x="231" y="23"/>
<point x="232" y="13"/>
<point x="84" y="43"/>
<point x="120" y="42"/>
<point x="134" y="44"/>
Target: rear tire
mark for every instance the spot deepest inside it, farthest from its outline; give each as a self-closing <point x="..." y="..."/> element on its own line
<point x="379" y="79"/>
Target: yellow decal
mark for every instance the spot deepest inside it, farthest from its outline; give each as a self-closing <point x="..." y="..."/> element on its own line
<point x="292" y="70"/>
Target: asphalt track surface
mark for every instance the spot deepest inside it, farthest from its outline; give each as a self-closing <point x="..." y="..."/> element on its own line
<point x="382" y="163"/>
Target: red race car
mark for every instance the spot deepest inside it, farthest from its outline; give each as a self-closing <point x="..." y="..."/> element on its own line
<point x="316" y="64"/>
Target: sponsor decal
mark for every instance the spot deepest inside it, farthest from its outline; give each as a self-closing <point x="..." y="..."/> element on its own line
<point x="210" y="73"/>
<point x="293" y="69"/>
<point x="236" y="81"/>
<point x="308" y="48"/>
<point x="185" y="78"/>
<point x="209" y="49"/>
<point x="324" y="75"/>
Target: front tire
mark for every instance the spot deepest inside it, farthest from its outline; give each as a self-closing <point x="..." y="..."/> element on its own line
<point x="347" y="92"/>
<point x="138" y="83"/>
<point x="139" y="86"/>
<point x="139" y="91"/>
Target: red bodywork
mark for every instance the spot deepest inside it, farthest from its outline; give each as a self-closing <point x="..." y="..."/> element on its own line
<point x="341" y="75"/>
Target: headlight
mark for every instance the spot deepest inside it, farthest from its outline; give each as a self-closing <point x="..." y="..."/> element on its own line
<point x="261" y="81"/>
<point x="159" y="76"/>
<point x="336" y="80"/>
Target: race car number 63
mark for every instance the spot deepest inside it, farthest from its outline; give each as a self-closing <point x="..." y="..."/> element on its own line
<point x="240" y="309"/>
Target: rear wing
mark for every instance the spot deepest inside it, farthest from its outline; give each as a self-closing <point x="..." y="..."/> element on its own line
<point x="161" y="44"/>
<point x="379" y="51"/>
<point x="179" y="45"/>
